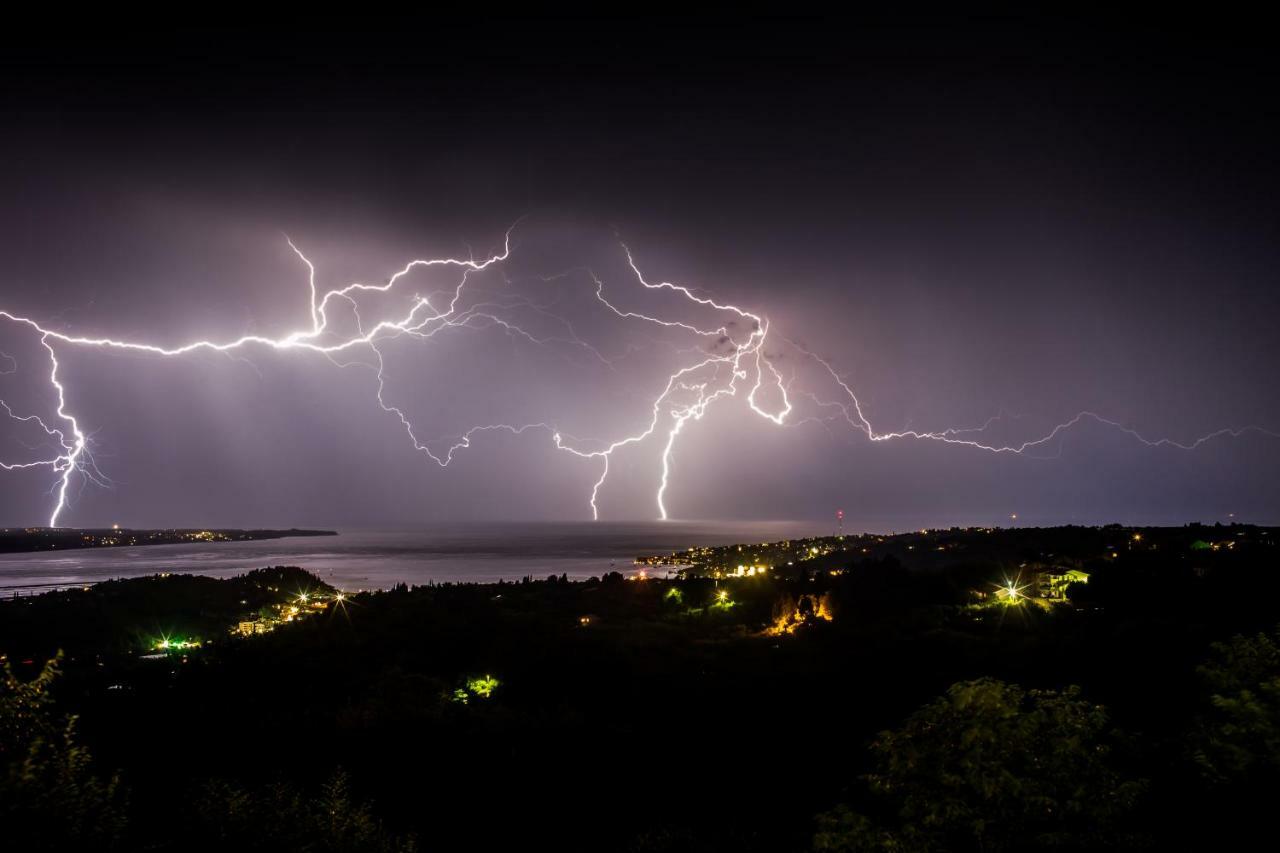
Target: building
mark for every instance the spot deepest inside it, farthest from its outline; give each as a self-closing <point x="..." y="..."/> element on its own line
<point x="1052" y="584"/>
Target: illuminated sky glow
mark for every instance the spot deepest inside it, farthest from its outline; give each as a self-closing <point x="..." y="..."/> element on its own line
<point x="944" y="274"/>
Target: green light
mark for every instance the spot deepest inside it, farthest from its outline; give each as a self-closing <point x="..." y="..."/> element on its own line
<point x="483" y="687"/>
<point x="166" y="644"/>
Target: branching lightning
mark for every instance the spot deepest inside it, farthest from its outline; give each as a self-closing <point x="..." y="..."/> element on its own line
<point x="730" y="358"/>
<point x="854" y="416"/>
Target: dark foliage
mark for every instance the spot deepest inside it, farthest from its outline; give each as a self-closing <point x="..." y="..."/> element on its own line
<point x="652" y="715"/>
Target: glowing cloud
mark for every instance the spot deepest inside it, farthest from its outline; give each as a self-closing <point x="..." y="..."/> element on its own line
<point x="731" y="359"/>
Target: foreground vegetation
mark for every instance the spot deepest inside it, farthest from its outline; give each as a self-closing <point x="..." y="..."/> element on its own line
<point x="853" y="702"/>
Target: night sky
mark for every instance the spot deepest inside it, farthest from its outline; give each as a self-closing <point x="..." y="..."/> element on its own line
<point x="966" y="218"/>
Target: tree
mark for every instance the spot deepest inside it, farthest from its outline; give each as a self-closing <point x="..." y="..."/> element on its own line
<point x="25" y="708"/>
<point x="1238" y="738"/>
<point x="990" y="766"/>
<point x="50" y="798"/>
<point x="280" y="817"/>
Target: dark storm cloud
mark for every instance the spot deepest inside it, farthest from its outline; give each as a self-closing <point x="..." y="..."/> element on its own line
<point x="1040" y="217"/>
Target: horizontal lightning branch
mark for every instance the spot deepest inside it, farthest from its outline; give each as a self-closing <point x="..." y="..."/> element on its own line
<point x="731" y="359"/>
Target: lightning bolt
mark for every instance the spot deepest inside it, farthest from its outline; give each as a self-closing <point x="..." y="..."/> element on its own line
<point x="732" y="360"/>
<point x="853" y="414"/>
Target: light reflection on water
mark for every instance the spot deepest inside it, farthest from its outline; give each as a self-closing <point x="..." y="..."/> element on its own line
<point x="368" y="559"/>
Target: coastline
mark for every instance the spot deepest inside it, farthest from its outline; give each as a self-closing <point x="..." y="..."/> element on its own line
<point x="26" y="540"/>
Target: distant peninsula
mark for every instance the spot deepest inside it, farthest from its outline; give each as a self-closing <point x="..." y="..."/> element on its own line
<point x="15" y="540"/>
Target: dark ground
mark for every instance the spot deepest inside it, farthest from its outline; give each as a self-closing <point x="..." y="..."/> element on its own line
<point x="664" y="722"/>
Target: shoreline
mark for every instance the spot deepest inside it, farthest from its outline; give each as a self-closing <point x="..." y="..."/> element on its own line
<point x="378" y="564"/>
<point x="34" y="540"/>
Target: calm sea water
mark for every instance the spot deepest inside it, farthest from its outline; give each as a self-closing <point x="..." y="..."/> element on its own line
<point x="369" y="559"/>
<point x="376" y="559"/>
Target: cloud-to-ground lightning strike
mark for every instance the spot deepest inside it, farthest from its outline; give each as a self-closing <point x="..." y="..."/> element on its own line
<point x="732" y="357"/>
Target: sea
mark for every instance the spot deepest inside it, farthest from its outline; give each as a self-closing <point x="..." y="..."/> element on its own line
<point x="378" y="559"/>
<point x="362" y="559"/>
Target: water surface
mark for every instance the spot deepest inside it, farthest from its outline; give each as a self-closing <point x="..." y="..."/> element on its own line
<point x="377" y="559"/>
<point x="368" y="559"/>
